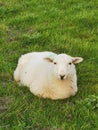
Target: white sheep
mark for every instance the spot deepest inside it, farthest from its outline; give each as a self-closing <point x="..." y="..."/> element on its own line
<point x="47" y="74"/>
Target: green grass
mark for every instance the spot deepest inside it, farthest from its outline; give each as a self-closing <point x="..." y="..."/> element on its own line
<point x="60" y="26"/>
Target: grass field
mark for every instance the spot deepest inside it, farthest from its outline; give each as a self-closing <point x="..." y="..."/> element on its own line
<point x="69" y="26"/>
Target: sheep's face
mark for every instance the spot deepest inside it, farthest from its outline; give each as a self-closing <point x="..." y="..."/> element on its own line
<point x="63" y="65"/>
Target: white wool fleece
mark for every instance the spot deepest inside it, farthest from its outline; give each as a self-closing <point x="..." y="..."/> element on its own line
<point x="47" y="74"/>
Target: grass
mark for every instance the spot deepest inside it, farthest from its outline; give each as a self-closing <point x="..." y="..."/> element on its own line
<point x="70" y="27"/>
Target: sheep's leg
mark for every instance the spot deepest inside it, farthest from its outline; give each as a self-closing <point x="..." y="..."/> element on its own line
<point x="36" y="89"/>
<point x="40" y="91"/>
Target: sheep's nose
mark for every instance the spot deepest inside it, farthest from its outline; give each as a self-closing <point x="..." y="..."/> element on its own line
<point x="62" y="77"/>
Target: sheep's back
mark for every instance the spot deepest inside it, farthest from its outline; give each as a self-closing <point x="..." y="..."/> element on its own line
<point x="35" y="69"/>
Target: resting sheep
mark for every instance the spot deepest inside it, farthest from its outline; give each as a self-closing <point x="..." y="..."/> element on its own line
<point x="47" y="74"/>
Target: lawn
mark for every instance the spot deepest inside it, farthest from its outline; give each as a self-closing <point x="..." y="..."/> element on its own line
<point x="61" y="26"/>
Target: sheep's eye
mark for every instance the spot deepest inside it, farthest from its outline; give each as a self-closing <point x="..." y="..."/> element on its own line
<point x="55" y="63"/>
<point x="70" y="63"/>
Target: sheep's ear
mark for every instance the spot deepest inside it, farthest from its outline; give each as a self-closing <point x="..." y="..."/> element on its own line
<point x="48" y="59"/>
<point x="77" y="60"/>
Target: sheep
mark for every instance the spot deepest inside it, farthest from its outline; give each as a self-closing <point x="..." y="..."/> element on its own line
<point x="47" y="74"/>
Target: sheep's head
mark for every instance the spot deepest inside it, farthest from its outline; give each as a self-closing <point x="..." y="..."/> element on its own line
<point x="63" y="64"/>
